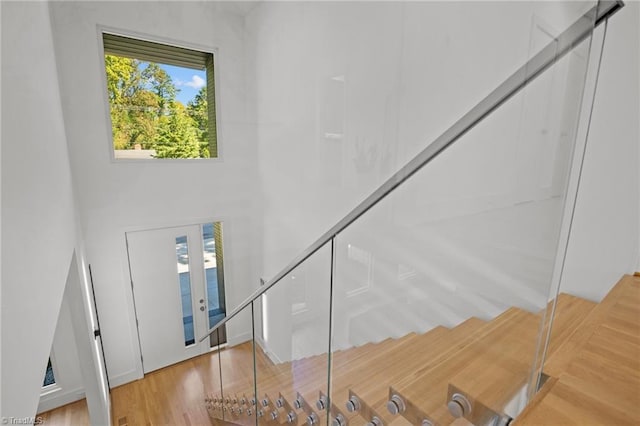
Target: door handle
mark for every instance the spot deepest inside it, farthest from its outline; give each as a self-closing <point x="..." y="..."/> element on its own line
<point x="201" y="300"/>
<point x="202" y="308"/>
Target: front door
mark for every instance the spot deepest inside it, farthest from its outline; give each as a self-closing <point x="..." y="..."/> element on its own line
<point x="177" y="277"/>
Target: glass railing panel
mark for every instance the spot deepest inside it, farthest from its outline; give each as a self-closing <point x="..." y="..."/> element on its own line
<point x="213" y="384"/>
<point x="291" y="326"/>
<point x="564" y="310"/>
<point x="440" y="289"/>
<point x="353" y="90"/>
<point x="236" y="401"/>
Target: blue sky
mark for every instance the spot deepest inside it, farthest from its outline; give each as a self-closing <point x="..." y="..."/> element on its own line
<point x="187" y="80"/>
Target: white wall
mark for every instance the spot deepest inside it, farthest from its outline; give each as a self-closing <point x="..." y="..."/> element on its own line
<point x="116" y="197"/>
<point x="409" y="72"/>
<point x="64" y="355"/>
<point x="1" y="226"/>
<point x="477" y="232"/>
<point x="38" y="229"/>
<point x="87" y="345"/>
<point x="605" y="237"/>
<point x="76" y="353"/>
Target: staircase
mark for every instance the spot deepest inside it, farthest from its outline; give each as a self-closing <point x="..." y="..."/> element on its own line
<point x="460" y="296"/>
<point x="478" y="370"/>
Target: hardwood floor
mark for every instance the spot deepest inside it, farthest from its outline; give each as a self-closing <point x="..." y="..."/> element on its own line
<point x="595" y="375"/>
<point x="593" y="361"/>
<point x="75" y="413"/>
<point x="170" y="396"/>
<point x="175" y="395"/>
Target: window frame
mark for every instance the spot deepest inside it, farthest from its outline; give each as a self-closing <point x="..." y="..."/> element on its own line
<point x="214" y="51"/>
<point x="55" y="386"/>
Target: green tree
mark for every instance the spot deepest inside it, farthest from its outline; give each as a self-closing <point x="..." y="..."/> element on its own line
<point x="134" y="108"/>
<point x="161" y="84"/>
<point x="197" y="110"/>
<point x="177" y="134"/>
<point x="144" y="111"/>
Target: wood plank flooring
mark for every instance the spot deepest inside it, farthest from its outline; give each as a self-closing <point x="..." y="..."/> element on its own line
<point x="75" y="413"/>
<point x="596" y="372"/>
<point x="593" y="360"/>
<point x="175" y="395"/>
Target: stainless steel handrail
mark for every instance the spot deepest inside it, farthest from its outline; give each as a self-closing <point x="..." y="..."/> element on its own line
<point x="548" y="56"/>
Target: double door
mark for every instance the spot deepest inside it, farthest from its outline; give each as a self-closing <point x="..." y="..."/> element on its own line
<point x="177" y="275"/>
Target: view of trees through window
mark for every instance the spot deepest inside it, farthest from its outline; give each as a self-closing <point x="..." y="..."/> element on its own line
<point x="147" y="115"/>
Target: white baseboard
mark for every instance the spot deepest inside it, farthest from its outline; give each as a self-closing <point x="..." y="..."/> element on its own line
<point x="238" y="339"/>
<point x="273" y="357"/>
<point x="123" y="379"/>
<point x="59" y="398"/>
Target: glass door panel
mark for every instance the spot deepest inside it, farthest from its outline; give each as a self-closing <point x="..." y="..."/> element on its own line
<point x="213" y="256"/>
<point x="184" y="280"/>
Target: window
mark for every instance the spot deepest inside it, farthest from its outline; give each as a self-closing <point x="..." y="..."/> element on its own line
<point x="184" y="281"/>
<point x="161" y="100"/>
<point x="49" y="379"/>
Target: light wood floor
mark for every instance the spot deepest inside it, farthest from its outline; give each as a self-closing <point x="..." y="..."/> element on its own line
<point x="594" y="363"/>
<point x="75" y="413"/>
<point x="170" y="396"/>
<point x="175" y="395"/>
<point x="595" y="375"/>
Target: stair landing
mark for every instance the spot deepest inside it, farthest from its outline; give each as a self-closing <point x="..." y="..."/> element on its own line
<point x="595" y="374"/>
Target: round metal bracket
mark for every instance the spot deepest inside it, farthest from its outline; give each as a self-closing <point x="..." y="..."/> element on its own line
<point x="459" y="405"/>
<point x="353" y="404"/>
<point x="396" y="405"/>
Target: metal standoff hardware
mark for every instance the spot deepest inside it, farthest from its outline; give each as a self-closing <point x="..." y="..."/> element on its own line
<point x="396" y="405"/>
<point x="265" y="402"/>
<point x="280" y="402"/>
<point x="321" y="403"/>
<point x="297" y="403"/>
<point x="312" y="419"/>
<point x="427" y="422"/>
<point x="375" y="421"/>
<point x="338" y="420"/>
<point x="291" y="417"/>
<point x="274" y="415"/>
<point x="459" y="405"/>
<point x="353" y="404"/>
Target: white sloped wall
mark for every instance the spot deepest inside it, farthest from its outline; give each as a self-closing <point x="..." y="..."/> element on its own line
<point x="38" y="223"/>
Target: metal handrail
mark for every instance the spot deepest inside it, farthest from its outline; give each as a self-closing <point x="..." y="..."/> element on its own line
<point x="548" y="56"/>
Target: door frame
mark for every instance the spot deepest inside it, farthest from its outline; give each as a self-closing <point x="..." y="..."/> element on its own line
<point x="227" y="246"/>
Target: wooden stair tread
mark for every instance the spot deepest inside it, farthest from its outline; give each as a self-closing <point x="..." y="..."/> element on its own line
<point x="596" y="372"/>
<point x="507" y="369"/>
<point x="566" y="405"/>
<point x="369" y="369"/>
<point x="377" y="396"/>
<point x="571" y="311"/>
<point x="490" y="361"/>
<point x="392" y="366"/>
<point x="557" y="363"/>
<point x="428" y="389"/>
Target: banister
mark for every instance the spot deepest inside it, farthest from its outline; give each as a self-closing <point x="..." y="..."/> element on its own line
<point x="549" y="55"/>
